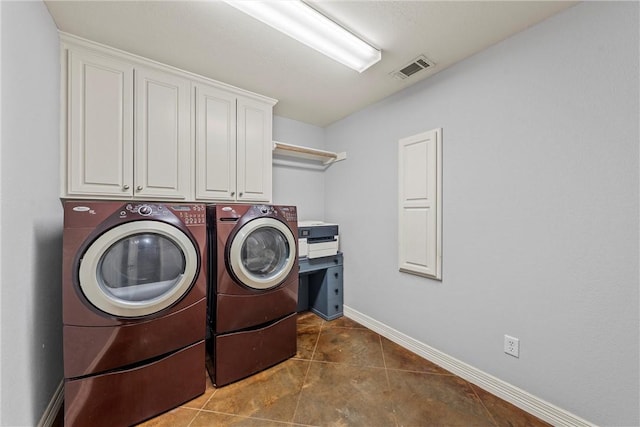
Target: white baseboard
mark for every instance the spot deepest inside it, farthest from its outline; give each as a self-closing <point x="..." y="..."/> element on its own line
<point x="512" y="394"/>
<point x="49" y="415"/>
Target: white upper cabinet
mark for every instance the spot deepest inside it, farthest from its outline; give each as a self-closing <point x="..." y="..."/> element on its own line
<point x="133" y="128"/>
<point x="254" y="151"/>
<point x="215" y="144"/>
<point x="163" y="135"/>
<point x="100" y="125"/>
<point x="233" y="146"/>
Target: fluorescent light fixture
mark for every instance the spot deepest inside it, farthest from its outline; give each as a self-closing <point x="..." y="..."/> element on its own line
<point x="300" y="21"/>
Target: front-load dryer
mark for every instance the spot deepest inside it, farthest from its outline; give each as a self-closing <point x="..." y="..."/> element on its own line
<point x="253" y="288"/>
<point x="134" y="309"/>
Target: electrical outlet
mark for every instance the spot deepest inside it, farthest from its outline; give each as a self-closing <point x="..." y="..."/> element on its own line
<point x="512" y="346"/>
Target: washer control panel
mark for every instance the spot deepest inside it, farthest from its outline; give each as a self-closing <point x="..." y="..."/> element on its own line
<point x="190" y="214"/>
<point x="289" y="212"/>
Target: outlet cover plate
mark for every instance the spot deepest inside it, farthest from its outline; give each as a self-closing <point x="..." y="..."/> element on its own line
<point x="512" y="346"/>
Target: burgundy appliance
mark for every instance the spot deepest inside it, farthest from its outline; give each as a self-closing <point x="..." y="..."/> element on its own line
<point x="253" y="289"/>
<point x="134" y="309"/>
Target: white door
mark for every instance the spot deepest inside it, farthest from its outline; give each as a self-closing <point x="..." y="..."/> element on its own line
<point x="100" y="130"/>
<point x="262" y="253"/>
<point x="163" y="136"/>
<point x="138" y="268"/>
<point x="420" y="204"/>
<point x="215" y="144"/>
<point x="254" y="150"/>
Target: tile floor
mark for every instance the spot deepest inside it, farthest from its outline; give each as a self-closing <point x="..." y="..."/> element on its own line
<point x="347" y="375"/>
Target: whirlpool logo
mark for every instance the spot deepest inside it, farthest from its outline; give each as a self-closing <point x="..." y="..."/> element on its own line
<point x="84" y="209"/>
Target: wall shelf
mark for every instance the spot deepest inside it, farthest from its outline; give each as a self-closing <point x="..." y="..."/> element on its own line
<point x="289" y="150"/>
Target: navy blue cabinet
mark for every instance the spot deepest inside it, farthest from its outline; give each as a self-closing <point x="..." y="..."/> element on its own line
<point x="321" y="287"/>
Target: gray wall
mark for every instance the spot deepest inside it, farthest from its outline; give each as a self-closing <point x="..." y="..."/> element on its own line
<point x="31" y="214"/>
<point x="296" y="184"/>
<point x="540" y="212"/>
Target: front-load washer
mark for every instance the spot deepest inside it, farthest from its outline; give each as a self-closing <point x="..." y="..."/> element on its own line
<point x="253" y="289"/>
<point x="134" y="309"/>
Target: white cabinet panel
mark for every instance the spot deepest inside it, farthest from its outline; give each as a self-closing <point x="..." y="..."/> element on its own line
<point x="416" y="253"/>
<point x="136" y="129"/>
<point x="100" y="125"/>
<point x="420" y="204"/>
<point x="233" y="147"/>
<point x="415" y="179"/>
<point x="254" y="151"/>
<point x="215" y="144"/>
<point x="162" y="135"/>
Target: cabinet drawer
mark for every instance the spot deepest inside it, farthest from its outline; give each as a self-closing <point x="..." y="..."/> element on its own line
<point x="330" y="312"/>
<point x="310" y="265"/>
<point x="325" y="292"/>
<point x="334" y="278"/>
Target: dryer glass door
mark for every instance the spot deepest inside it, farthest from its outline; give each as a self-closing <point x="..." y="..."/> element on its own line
<point x="138" y="268"/>
<point x="262" y="254"/>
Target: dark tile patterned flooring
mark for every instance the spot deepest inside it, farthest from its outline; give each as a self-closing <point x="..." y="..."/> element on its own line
<point x="346" y="375"/>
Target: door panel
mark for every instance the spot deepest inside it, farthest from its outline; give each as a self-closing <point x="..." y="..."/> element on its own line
<point x="420" y="204"/>
<point x="163" y="147"/>
<point x="254" y="151"/>
<point x="215" y="144"/>
<point x="100" y="125"/>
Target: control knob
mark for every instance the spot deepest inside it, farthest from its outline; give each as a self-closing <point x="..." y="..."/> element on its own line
<point x="145" y="210"/>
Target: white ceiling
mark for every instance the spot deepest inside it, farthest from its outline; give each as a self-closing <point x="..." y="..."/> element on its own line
<point x="215" y="40"/>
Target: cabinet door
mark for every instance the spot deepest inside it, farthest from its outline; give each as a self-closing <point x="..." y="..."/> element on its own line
<point x="420" y="204"/>
<point x="215" y="144"/>
<point x="254" y="151"/>
<point x="163" y="137"/>
<point x="100" y="125"/>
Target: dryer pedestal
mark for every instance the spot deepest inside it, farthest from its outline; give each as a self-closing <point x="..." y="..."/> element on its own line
<point x="240" y="354"/>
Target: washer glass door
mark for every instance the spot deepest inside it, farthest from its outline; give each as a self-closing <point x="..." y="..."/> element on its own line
<point x="138" y="268"/>
<point x="262" y="253"/>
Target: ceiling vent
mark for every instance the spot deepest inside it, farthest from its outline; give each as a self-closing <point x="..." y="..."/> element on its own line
<point x="418" y="64"/>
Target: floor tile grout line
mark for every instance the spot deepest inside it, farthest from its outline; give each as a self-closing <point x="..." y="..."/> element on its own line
<point x="194" y="417"/>
<point x="475" y="393"/>
<point x="351" y="365"/>
<point x="386" y="373"/>
<point x="248" y="417"/>
<point x="306" y="374"/>
<point x="492" y="416"/>
<point x="355" y="365"/>
<point x="304" y="381"/>
<point x="203" y="405"/>
<point x="415" y="371"/>
<point x="215" y="390"/>
<point x="315" y="347"/>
